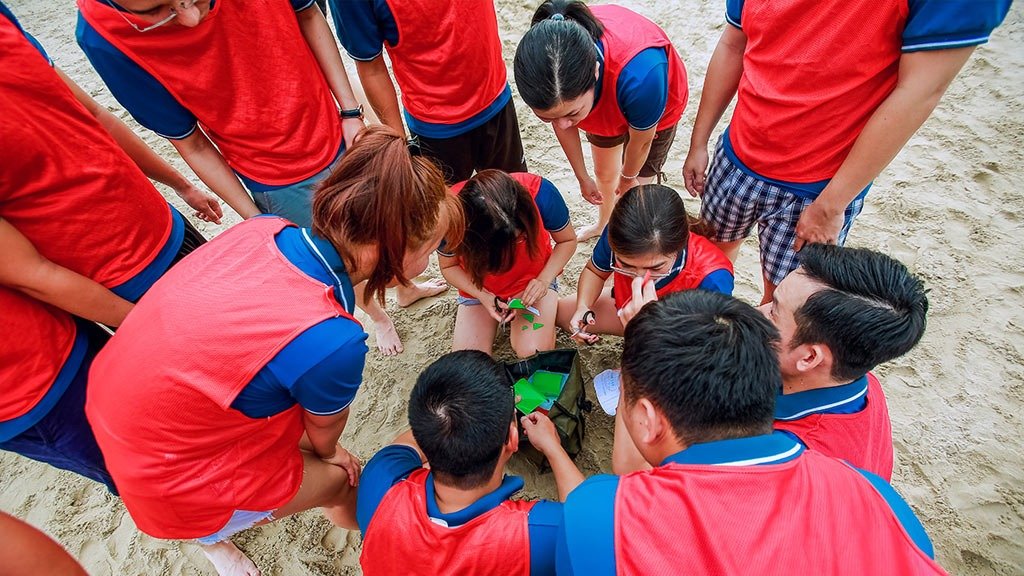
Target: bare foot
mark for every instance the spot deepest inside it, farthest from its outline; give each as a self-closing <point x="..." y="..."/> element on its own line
<point x="588" y="232"/>
<point x="228" y="560"/>
<point x="407" y="295"/>
<point x="388" y="341"/>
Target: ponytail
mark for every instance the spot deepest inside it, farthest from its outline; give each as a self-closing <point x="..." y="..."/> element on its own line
<point x="381" y="195"/>
<point x="555" y="60"/>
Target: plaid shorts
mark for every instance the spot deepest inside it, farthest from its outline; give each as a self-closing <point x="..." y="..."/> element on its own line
<point x="733" y="201"/>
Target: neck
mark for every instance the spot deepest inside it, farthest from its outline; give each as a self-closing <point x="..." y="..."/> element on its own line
<point x="810" y="381"/>
<point x="657" y="454"/>
<point x="450" y="499"/>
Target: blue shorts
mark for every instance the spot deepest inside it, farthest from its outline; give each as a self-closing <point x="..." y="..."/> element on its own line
<point x="63" y="438"/>
<point x="294" y="202"/>
<point x="240" y="520"/>
<point x="734" y="201"/>
<point x="463" y="301"/>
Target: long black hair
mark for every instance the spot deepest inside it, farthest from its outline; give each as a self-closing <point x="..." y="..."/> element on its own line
<point x="555" y="60"/>
<point x="649" y="219"/>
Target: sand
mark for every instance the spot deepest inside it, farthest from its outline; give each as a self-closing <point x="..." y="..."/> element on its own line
<point x="948" y="206"/>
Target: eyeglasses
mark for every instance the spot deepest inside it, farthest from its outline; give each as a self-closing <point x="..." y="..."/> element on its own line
<point x="641" y="273"/>
<point x="182" y="5"/>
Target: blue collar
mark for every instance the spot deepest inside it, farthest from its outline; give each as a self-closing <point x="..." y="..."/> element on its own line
<point x="327" y="255"/>
<point x="846" y="399"/>
<point x="677" y="267"/>
<point x="773" y="448"/>
<point x="509" y="486"/>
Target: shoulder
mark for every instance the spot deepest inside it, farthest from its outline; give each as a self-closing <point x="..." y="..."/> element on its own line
<point x="390" y="465"/>
<point x="941" y="24"/>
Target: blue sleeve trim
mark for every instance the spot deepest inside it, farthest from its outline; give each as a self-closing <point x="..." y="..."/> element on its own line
<point x="642" y="88"/>
<point x="586" y="543"/>
<point x="721" y="281"/>
<point x="945" y="45"/>
<point x="734" y="12"/>
<point x="545" y="523"/>
<point x="553" y="211"/>
<point x="941" y="24"/>
<point x="300" y="5"/>
<point x="363" y="27"/>
<point x="391" y="465"/>
<point x="601" y="257"/>
<point x="901" y="509"/>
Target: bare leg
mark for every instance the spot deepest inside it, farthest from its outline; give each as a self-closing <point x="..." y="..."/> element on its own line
<point x="606" y="318"/>
<point x="769" y="289"/>
<point x="731" y="249"/>
<point x="408" y="295"/>
<point x="607" y="168"/>
<point x="388" y="341"/>
<point x="474" y="329"/>
<point x="527" y="341"/>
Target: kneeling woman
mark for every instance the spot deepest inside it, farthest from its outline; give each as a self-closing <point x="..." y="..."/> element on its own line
<point x="220" y="402"/>
<point x="648" y="238"/>
<point x="518" y="238"/>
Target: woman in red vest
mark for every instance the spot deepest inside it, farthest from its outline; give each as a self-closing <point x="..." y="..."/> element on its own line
<point x="613" y="74"/>
<point x="649" y="237"/>
<point x="518" y="240"/>
<point x="269" y="373"/>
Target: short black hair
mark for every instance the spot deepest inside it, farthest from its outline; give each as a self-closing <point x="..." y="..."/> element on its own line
<point x="556" y="58"/>
<point x="708" y="361"/>
<point x="871" y="311"/>
<point x="460" y="410"/>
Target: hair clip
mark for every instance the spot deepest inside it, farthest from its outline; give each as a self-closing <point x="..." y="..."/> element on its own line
<point x="557" y="17"/>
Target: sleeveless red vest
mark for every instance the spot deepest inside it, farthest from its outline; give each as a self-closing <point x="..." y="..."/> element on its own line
<point x="702" y="258"/>
<point x="524" y="268"/>
<point x="401" y="536"/>
<point x="248" y="76"/>
<point x="64" y="183"/>
<point x="811" y="515"/>
<point x="35" y="341"/>
<point x="448" y="64"/>
<point x="160" y="392"/>
<point x="863" y="439"/>
<point x="626" y="34"/>
<point x="806" y="93"/>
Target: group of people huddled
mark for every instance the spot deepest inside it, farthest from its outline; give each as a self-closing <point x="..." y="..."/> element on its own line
<point x="747" y="440"/>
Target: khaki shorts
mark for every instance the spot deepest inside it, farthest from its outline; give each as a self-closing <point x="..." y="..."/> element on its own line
<point x="655" y="158"/>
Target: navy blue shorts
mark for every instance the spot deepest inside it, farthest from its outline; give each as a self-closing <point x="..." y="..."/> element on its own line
<point x="63" y="438"/>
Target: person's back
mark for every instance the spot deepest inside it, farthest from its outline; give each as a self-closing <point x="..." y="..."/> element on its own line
<point x="457" y="516"/>
<point x="727" y="495"/>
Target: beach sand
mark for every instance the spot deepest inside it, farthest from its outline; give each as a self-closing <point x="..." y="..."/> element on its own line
<point x="949" y="206"/>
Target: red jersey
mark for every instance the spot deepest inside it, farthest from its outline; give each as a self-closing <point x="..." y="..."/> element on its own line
<point x="401" y="535"/>
<point x="626" y="34"/>
<point x="702" y="258"/>
<point x="278" y="123"/>
<point x="863" y="438"/>
<point x="183" y="472"/>
<point x="64" y="183"/>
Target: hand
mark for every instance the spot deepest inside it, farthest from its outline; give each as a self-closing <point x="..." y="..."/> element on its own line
<point x="818" y="224"/>
<point x="350" y="129"/>
<point x="541" y="432"/>
<point x="535" y="291"/>
<point x="206" y="206"/>
<point x="579" y="323"/>
<point x="502" y="313"/>
<point x="346" y="460"/>
<point x="588" y="188"/>
<point x="643" y="293"/>
<point x="694" y="169"/>
<point x="625" y="184"/>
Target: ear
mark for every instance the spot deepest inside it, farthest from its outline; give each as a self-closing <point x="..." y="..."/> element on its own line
<point x="597" y="69"/>
<point x="811" y="357"/>
<point x="650" y="424"/>
<point x="512" y="444"/>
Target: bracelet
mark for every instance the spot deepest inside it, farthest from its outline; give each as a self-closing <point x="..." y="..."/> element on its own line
<point x="352" y="113"/>
<point x="633" y="177"/>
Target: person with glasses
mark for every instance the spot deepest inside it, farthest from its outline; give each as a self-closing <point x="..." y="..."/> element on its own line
<point x="649" y="241"/>
<point x="437" y="500"/>
<point x="518" y="239"/>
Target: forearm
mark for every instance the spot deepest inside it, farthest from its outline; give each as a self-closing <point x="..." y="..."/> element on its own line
<point x="74" y="294"/>
<point x="588" y="288"/>
<point x="720" y="84"/>
<point x="567" y="475"/>
<point x="560" y="256"/>
<point x="569" y="139"/>
<point x="637" y="149"/>
<point x="324" y="432"/>
<point x="380" y="91"/>
<point x="206" y="161"/>
<point x="321" y="41"/>
<point x="456" y="276"/>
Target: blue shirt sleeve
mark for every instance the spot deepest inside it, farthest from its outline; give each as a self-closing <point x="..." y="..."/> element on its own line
<point x="720" y="281"/>
<point x="586" y="542"/>
<point x="733" y="12"/>
<point x="601" y="257"/>
<point x="330" y="385"/>
<point x="544" y="524"/>
<point x="137" y="90"/>
<point x="6" y="13"/>
<point x="391" y="465"/>
<point x="300" y="5"/>
<point x="642" y="88"/>
<point x="903" y="513"/>
<point x="553" y="211"/>
<point x="942" y="24"/>
<point x="364" y="26"/>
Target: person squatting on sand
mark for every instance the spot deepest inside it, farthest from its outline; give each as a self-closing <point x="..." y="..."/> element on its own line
<point x="83" y="234"/>
<point x="147" y="59"/>
<point x="821" y="110"/>
<point x="648" y="240"/>
<point x="613" y="74"/>
<point x="518" y="239"/>
<point x="268" y="395"/>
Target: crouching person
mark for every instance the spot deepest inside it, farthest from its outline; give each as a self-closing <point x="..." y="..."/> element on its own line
<point x="457" y="516"/>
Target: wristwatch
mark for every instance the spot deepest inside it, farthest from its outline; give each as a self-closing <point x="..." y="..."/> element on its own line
<point x="352" y="113"/>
